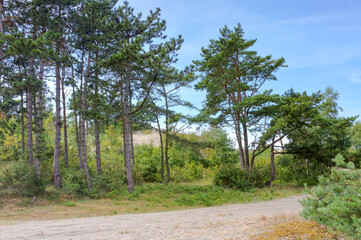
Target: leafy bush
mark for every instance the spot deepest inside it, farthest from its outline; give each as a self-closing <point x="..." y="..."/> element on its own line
<point x="20" y="178"/>
<point x="222" y="150"/>
<point x="9" y="140"/>
<point x="74" y="182"/>
<point x="111" y="180"/>
<point x="189" y="172"/>
<point x="148" y="160"/>
<point x="336" y="200"/>
<point x="290" y="169"/>
<point x="233" y="177"/>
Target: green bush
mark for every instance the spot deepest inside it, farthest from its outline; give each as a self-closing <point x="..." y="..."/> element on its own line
<point x="233" y="177"/>
<point x="74" y="182"/>
<point x="336" y="200"/>
<point x="10" y="147"/>
<point x="109" y="181"/>
<point x="20" y="178"/>
<point x="147" y="158"/>
<point x="189" y="172"/>
<point x="290" y="169"/>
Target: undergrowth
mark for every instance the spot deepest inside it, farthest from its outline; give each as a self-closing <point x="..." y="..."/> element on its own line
<point x="148" y="197"/>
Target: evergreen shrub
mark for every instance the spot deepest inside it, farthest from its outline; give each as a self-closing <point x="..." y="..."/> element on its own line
<point x="336" y="200"/>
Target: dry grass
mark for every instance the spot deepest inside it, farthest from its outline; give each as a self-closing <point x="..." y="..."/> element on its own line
<point x="146" y="137"/>
<point x="293" y="227"/>
<point x="17" y="210"/>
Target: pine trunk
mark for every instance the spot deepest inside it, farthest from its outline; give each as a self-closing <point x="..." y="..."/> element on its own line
<point x="161" y="146"/>
<point x="66" y="155"/>
<point x="272" y="158"/>
<point x="39" y="122"/>
<point x="166" y="135"/>
<point x="29" y="101"/>
<point x="131" y="129"/>
<point x="127" y="132"/>
<point x="76" y="124"/>
<point x="131" y="142"/>
<point x="239" y="141"/>
<point x="56" y="170"/>
<point x="22" y="124"/>
<point x="83" y="127"/>
<point x="246" y="148"/>
<point x="123" y="122"/>
<point x="97" y="137"/>
<point x="97" y="148"/>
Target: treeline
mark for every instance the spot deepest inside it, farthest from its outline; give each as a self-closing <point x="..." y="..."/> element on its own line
<point x="110" y="58"/>
<point x="105" y="65"/>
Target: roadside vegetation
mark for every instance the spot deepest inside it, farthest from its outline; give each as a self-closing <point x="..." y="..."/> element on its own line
<point x="148" y="197"/>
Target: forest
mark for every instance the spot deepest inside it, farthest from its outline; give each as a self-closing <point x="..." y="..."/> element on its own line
<point x="78" y="79"/>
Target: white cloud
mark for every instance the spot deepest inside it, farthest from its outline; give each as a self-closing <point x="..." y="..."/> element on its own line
<point x="355" y="77"/>
<point x="319" y="19"/>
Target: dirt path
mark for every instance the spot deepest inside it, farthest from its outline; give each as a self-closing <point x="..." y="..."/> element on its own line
<point x="225" y="222"/>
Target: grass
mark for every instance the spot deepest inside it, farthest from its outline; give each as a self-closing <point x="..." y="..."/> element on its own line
<point x="150" y="197"/>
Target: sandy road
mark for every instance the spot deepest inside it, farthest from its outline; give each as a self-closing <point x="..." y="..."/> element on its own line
<point x="225" y="222"/>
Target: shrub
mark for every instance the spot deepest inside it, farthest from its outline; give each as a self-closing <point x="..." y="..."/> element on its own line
<point x="147" y="164"/>
<point x="289" y="169"/>
<point x="336" y="200"/>
<point x="9" y="140"/>
<point x="74" y="182"/>
<point x="284" y="169"/>
<point x="189" y="172"/>
<point x="20" y="178"/>
<point x="233" y="177"/>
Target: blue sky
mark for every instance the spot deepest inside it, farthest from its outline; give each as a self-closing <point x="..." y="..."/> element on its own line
<point x="320" y="40"/>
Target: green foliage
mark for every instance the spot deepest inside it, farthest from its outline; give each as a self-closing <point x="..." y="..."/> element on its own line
<point x="20" y="178"/>
<point x="186" y="163"/>
<point x="10" y="148"/>
<point x="221" y="150"/>
<point x="242" y="179"/>
<point x="176" y="194"/>
<point x="293" y="169"/>
<point x="325" y="136"/>
<point x="356" y="136"/>
<point x="336" y="200"/>
<point x="355" y="152"/>
<point x="189" y="172"/>
<point x="355" y="157"/>
<point x="148" y="158"/>
<point x="74" y="182"/>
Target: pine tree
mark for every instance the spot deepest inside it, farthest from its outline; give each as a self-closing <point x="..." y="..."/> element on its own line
<point x="138" y="65"/>
<point x="233" y="76"/>
<point x="164" y="97"/>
